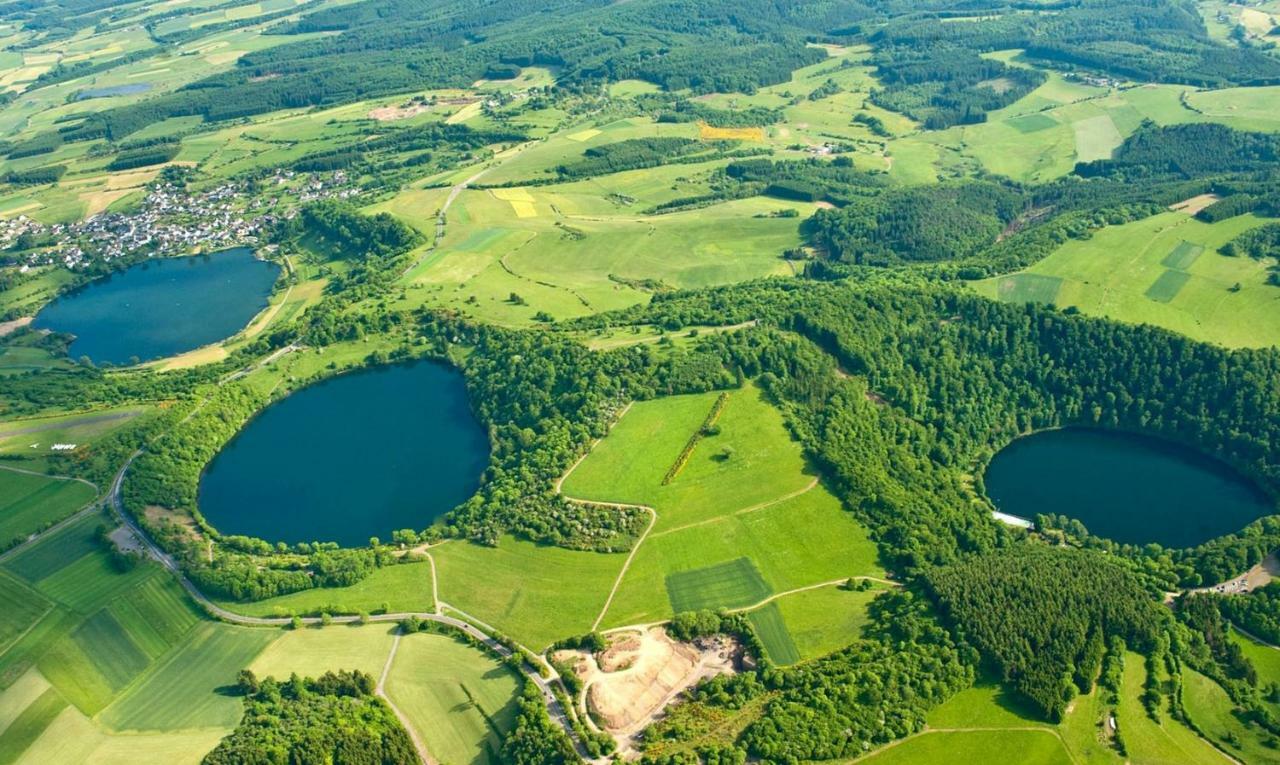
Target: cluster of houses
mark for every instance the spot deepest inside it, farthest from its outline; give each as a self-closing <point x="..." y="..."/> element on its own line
<point x="172" y="220"/>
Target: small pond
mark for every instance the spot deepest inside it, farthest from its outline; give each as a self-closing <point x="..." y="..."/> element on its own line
<point x="162" y="307"/>
<point x="355" y="456"/>
<point x="1124" y="487"/>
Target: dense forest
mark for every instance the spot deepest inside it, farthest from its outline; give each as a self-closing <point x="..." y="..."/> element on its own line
<point x="1044" y="617"/>
<point x="333" y="718"/>
<point x="939" y="73"/>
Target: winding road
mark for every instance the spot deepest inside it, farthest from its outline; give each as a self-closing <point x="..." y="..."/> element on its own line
<point x="466" y="624"/>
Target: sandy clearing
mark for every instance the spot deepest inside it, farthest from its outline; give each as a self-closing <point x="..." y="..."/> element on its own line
<point x="403" y="112"/>
<point x="628" y="685"/>
<point x="1195" y="204"/>
<point x="12" y="326"/>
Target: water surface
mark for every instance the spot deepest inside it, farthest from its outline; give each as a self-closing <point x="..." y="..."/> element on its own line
<point x="162" y="307"/>
<point x="1124" y="487"/>
<point x="359" y="455"/>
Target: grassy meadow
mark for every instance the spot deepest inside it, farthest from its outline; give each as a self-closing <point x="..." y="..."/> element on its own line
<point x="461" y="702"/>
<point x="730" y="531"/>
<point x="1165" y="270"/>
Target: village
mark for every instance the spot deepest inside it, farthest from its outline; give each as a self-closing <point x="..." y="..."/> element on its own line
<point x="171" y="220"/>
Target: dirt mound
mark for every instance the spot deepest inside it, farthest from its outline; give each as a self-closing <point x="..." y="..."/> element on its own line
<point x="641" y="672"/>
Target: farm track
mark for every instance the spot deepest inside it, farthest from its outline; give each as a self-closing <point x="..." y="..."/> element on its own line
<point x="454" y="193"/>
<point x="381" y="690"/>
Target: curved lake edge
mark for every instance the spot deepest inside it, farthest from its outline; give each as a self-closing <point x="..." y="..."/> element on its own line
<point x="442" y="363"/>
<point x="83" y="283"/>
<point x="1264" y="491"/>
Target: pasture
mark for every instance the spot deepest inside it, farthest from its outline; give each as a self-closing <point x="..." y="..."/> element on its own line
<point x="1154" y="742"/>
<point x="1164" y="270"/>
<point x="30" y="503"/>
<point x="575" y="249"/>
<point x="825" y="619"/>
<point x="534" y="593"/>
<point x="731" y="530"/>
<point x="1029" y="747"/>
<point x="184" y="690"/>
<point x="459" y="700"/>
<point x="732" y="584"/>
<point x="1213" y="712"/>
<point x="35" y="437"/>
<point x="313" y="651"/>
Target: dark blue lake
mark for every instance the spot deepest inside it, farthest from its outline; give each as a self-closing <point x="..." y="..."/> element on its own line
<point x="162" y="307"/>
<point x="359" y="455"/>
<point x="1124" y="487"/>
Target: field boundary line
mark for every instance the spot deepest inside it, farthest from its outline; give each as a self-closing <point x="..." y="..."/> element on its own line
<point x="808" y="587"/>
<point x="87" y="509"/>
<point x="381" y="690"/>
<point x="653" y="520"/>
<point x="38" y="474"/>
<point x="752" y="509"/>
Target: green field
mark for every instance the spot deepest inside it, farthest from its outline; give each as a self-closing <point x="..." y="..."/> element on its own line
<point x="771" y="627"/>
<point x="1031" y="747"/>
<point x="1214" y="713"/>
<point x="1149" y="272"/>
<point x="1148" y="741"/>
<point x="401" y="587"/>
<point x="825" y="619"/>
<point x="183" y="691"/>
<point x="729" y="531"/>
<point x="461" y="702"/>
<point x="313" y="651"/>
<point x="22" y="607"/>
<point x="520" y="587"/>
<point x="30" y="503"/>
<point x="732" y="584"/>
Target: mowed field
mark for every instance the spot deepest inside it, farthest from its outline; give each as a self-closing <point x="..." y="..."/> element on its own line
<point x="461" y="702"/>
<point x="1165" y="270"/>
<point x="731" y="531"/>
<point x="30" y="503"/>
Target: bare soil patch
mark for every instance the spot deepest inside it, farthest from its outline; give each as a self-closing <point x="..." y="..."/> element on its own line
<point x="13" y="326"/>
<point x="628" y="685"/>
<point x="402" y="112"/>
<point x="1195" y="204"/>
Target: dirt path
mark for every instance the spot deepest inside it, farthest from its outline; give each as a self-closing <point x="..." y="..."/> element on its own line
<point x="381" y="690"/>
<point x="454" y="193"/>
<point x="752" y="509"/>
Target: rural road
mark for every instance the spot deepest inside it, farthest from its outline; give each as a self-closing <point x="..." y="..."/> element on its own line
<point x="554" y="709"/>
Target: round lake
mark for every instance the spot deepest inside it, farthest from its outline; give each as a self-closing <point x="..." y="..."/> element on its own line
<point x="1124" y="487"/>
<point x="356" y="456"/>
<point x="162" y="307"/>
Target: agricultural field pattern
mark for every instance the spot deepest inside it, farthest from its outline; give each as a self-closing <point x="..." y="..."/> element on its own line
<point x="682" y="382"/>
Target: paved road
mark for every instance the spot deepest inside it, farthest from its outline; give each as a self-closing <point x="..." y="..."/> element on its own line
<point x="554" y="708"/>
